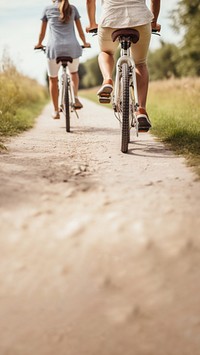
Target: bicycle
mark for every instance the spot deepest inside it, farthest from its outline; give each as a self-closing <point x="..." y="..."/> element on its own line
<point x="125" y="94"/>
<point x="66" y="92"/>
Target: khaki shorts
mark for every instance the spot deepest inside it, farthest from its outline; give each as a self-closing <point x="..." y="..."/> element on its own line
<point x="53" y="67"/>
<point x="139" y="50"/>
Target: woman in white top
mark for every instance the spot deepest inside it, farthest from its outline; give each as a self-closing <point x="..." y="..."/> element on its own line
<point x="118" y="14"/>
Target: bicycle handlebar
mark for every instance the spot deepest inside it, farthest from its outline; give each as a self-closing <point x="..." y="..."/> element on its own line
<point x="42" y="48"/>
<point x="95" y="31"/>
<point x="155" y="32"/>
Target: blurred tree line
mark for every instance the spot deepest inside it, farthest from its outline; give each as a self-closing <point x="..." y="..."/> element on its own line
<point x="169" y="60"/>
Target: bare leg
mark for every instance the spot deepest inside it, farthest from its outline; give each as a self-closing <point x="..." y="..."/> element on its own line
<point x="53" y="89"/>
<point x="75" y="82"/>
<point x="142" y="85"/>
<point x="142" y="76"/>
<point x="106" y="64"/>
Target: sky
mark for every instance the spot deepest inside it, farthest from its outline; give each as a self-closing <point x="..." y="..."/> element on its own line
<point x="20" y="25"/>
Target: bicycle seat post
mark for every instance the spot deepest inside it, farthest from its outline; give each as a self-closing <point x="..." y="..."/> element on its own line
<point x="125" y="45"/>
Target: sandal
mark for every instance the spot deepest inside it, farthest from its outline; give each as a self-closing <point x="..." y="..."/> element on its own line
<point x="55" y="115"/>
<point x="106" y="88"/>
<point x="144" y="123"/>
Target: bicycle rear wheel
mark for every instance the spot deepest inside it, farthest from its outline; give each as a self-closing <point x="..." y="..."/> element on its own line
<point x="125" y="133"/>
<point x="66" y="106"/>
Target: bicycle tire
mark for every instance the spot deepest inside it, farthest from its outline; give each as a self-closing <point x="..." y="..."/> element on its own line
<point x="133" y="105"/>
<point x="66" y="106"/>
<point x="125" y="131"/>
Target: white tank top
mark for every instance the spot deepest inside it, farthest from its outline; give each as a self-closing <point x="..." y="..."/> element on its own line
<point x="125" y="13"/>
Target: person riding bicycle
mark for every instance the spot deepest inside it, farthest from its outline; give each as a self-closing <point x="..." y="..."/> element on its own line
<point x="62" y="41"/>
<point x="118" y="14"/>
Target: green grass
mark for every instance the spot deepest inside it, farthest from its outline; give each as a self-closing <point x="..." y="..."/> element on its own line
<point x="175" y="114"/>
<point x="90" y="94"/>
<point x="21" y="100"/>
<point x="173" y="107"/>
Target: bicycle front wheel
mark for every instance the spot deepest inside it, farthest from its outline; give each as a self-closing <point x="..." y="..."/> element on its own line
<point x="125" y="133"/>
<point x="66" y="106"/>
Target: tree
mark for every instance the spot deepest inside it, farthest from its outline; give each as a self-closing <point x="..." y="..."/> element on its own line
<point x="92" y="74"/>
<point x="187" y="15"/>
<point x="82" y="73"/>
<point x="162" y="63"/>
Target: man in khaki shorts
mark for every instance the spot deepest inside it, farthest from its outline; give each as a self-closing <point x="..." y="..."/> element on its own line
<point x="117" y="14"/>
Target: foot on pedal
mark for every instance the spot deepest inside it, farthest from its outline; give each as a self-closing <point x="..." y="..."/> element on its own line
<point x="55" y="115"/>
<point x="78" y="105"/>
<point x="105" y="91"/>
<point x="144" y="123"/>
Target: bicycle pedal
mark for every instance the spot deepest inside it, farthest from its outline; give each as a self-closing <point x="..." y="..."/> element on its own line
<point x="105" y="94"/>
<point x="61" y="109"/>
<point x="104" y="99"/>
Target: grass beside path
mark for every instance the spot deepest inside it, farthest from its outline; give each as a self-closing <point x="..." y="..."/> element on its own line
<point x="175" y="113"/>
<point x="173" y="107"/>
<point x="21" y="101"/>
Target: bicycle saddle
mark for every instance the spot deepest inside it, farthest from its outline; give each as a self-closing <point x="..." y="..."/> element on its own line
<point x="126" y="32"/>
<point x="64" y="60"/>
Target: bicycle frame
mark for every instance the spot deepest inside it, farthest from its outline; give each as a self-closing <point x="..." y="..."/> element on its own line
<point x="124" y="58"/>
<point x="65" y="76"/>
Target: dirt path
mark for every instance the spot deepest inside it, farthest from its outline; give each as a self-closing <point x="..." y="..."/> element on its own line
<point x="100" y="251"/>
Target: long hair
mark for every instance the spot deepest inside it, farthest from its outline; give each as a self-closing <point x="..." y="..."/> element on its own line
<point x="65" y="10"/>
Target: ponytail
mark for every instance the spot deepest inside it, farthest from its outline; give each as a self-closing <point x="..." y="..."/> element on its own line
<point x="65" y="11"/>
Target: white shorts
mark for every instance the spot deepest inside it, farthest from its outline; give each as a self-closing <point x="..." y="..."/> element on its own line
<point x="53" y="67"/>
